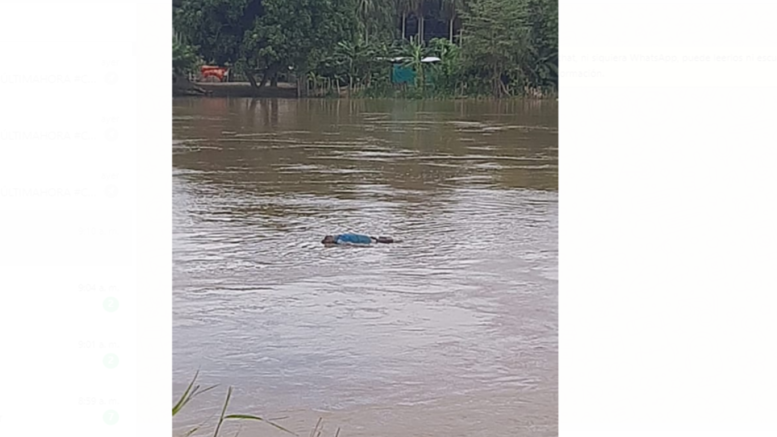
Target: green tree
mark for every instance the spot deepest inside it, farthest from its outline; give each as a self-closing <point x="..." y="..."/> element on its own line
<point x="216" y="27"/>
<point x="359" y="62"/>
<point x="496" y="39"/>
<point x="295" y="33"/>
<point x="543" y="15"/>
<point x="447" y="71"/>
<point x="265" y="36"/>
<point x="185" y="58"/>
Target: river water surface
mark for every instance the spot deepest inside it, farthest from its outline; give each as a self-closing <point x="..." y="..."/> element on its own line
<point x="452" y="332"/>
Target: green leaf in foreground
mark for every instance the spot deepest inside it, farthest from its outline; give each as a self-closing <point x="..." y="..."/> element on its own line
<point x="185" y="396"/>
<point x="190" y="393"/>
<point x="223" y="410"/>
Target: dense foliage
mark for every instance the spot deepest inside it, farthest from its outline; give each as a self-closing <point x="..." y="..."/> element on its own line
<point x="185" y="58"/>
<point x="486" y="47"/>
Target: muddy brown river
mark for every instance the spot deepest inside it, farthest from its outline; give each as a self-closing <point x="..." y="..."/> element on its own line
<point x="451" y="332"/>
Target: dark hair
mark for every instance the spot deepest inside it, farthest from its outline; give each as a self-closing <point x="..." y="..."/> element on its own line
<point x="328" y="240"/>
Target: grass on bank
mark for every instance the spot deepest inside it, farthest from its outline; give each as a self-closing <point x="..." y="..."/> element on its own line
<point x="193" y="391"/>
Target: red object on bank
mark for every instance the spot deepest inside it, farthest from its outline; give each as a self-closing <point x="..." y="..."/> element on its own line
<point x="213" y="71"/>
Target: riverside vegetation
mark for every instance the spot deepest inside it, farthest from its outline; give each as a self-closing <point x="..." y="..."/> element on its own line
<point x="192" y="391"/>
<point x="498" y="48"/>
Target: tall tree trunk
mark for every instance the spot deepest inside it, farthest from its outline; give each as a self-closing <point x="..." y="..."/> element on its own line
<point x="498" y="86"/>
<point x="420" y="29"/>
<point x="302" y="86"/>
<point x="404" y="19"/>
<point x="450" y="32"/>
<point x="268" y="72"/>
<point x="350" y="76"/>
<point x="251" y="79"/>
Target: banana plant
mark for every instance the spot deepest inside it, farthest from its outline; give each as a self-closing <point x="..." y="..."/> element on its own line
<point x="415" y="52"/>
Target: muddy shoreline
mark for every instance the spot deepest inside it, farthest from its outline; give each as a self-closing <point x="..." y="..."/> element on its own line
<point x="232" y="89"/>
<point x="183" y="88"/>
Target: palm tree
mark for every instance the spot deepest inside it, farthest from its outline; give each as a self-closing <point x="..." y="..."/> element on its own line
<point x="403" y="7"/>
<point x="417" y="6"/>
<point x="415" y="54"/>
<point x="450" y="9"/>
<point x="348" y="52"/>
<point x="366" y="10"/>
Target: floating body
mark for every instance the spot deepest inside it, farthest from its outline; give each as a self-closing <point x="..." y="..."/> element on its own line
<point x="354" y="239"/>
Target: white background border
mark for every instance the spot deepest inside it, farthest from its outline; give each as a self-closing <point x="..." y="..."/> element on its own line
<point x="85" y="200"/>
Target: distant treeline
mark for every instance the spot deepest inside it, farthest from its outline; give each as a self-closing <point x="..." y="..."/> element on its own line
<point x="486" y="47"/>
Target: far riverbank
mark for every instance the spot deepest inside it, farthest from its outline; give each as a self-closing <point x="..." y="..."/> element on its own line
<point x="282" y="90"/>
<point x="233" y="89"/>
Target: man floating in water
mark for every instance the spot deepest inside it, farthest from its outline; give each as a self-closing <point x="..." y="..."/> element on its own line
<point x="331" y="240"/>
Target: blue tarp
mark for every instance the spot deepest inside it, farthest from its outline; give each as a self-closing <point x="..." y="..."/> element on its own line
<point x="402" y="74"/>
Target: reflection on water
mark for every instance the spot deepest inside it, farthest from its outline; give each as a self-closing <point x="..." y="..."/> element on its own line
<point x="452" y="332"/>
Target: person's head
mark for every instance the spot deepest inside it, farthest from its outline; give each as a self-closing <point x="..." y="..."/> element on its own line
<point x="329" y="239"/>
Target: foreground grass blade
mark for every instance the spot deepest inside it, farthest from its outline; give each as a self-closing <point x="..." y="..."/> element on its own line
<point x="191" y="393"/>
<point x="250" y="417"/>
<point x="193" y="390"/>
<point x="196" y="392"/>
<point x="186" y="395"/>
<point x="313" y="433"/>
<point x="223" y="410"/>
<point x="192" y="431"/>
<point x="204" y="390"/>
<point x="197" y="428"/>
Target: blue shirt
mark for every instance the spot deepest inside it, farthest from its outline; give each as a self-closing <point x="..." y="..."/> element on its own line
<point x="352" y="239"/>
